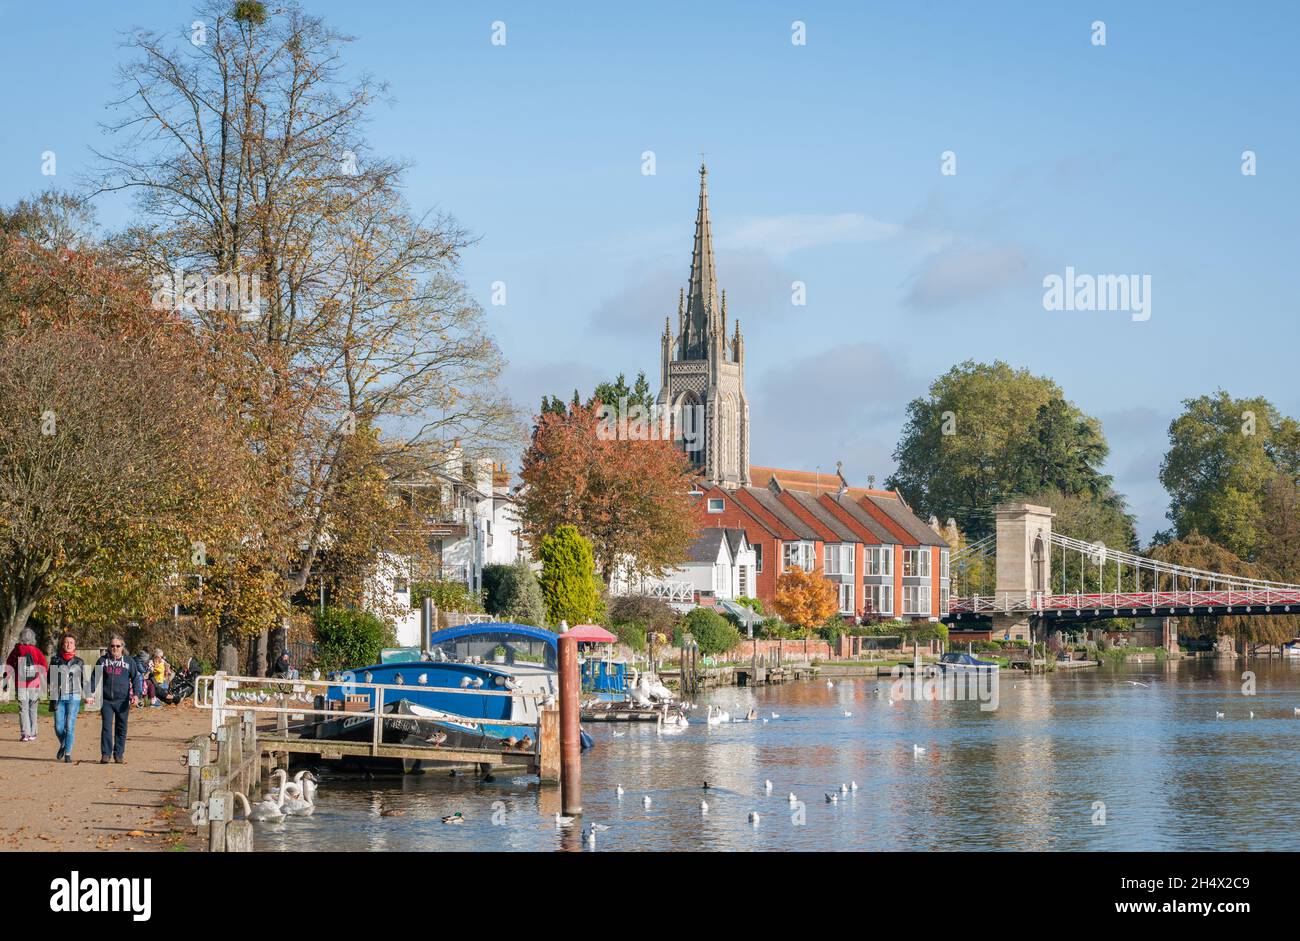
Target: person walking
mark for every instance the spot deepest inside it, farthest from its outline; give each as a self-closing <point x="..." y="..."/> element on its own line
<point x="119" y="679"/>
<point x="67" y="678"/>
<point x="28" y="666"/>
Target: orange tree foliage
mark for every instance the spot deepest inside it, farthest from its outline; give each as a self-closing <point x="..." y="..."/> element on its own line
<point x="629" y="498"/>
<point x="805" y="599"/>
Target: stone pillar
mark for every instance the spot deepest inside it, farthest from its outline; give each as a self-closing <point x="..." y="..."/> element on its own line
<point x="1024" y="543"/>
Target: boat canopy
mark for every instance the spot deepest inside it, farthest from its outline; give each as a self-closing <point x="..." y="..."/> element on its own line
<point x="522" y="643"/>
<point x="591" y="634"/>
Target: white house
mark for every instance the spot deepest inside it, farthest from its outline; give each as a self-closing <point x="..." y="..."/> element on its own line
<point x="720" y="564"/>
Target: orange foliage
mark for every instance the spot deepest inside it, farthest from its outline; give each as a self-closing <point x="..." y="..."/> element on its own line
<point x="805" y="599"/>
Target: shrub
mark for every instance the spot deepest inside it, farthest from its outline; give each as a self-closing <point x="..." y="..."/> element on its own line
<point x="714" y="633"/>
<point x="654" y="614"/>
<point x="752" y="603"/>
<point x="493" y="577"/>
<point x="447" y="596"/>
<point x="521" y="596"/>
<point x="568" y="579"/>
<point x="630" y="633"/>
<point x="347" y="637"/>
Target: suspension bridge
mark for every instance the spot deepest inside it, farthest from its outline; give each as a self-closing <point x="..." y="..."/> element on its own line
<point x="1039" y="577"/>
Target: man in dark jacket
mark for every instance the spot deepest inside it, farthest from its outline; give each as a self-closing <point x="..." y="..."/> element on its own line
<point x="122" y="680"/>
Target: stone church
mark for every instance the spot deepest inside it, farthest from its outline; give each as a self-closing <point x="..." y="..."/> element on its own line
<point x="702" y="372"/>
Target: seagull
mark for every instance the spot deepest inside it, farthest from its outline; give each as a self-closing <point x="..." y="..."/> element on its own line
<point x="853" y="785"/>
<point x="918" y="750"/>
<point x="847" y="714"/>
<point x="753" y="817"/>
<point x="619" y="734"/>
<point x="563" y="821"/>
<point x="645" y="801"/>
<point x="704" y="807"/>
<point x="591" y="837"/>
<point x="1136" y="683"/>
<point x="832" y="798"/>
<point x="600" y="826"/>
<point x="1252" y="714"/>
<point x="767" y="786"/>
<point x="793" y="800"/>
<point x="844" y="788"/>
<point x="619" y="791"/>
<point x="457" y="817"/>
<point x="777" y="715"/>
<point x="1297" y="710"/>
<point x="1218" y="715"/>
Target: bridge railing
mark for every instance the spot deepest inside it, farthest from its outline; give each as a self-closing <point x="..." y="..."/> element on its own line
<point x="1134" y="602"/>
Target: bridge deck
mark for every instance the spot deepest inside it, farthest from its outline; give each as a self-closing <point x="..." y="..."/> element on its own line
<point x="1140" y="604"/>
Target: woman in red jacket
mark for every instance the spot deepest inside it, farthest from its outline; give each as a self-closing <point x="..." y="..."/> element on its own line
<point x="28" y="668"/>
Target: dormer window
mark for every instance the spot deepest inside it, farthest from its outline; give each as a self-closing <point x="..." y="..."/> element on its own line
<point x="716" y="504"/>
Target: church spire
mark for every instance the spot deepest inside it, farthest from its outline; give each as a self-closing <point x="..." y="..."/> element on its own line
<point x="702" y="303"/>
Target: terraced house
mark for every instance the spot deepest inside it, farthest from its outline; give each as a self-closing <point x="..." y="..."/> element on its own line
<point x="884" y="561"/>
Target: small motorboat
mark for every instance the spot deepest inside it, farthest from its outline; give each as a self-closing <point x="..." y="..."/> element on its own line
<point x="965" y="663"/>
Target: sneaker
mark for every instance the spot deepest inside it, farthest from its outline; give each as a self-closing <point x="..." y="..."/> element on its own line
<point x="120" y="760"/>
<point x="67" y="759"/>
<point x="59" y="756"/>
<point x="155" y="704"/>
<point x="103" y="759"/>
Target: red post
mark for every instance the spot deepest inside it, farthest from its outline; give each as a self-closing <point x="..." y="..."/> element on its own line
<point x="570" y="743"/>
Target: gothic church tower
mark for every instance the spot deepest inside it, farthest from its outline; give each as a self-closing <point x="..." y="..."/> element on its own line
<point x="702" y="373"/>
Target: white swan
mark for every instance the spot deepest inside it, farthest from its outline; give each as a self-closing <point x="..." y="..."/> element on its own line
<point x="716" y="716"/>
<point x="776" y="715"/>
<point x="268" y="811"/>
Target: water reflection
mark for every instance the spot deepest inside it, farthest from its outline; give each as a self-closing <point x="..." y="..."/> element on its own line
<point x="1170" y="775"/>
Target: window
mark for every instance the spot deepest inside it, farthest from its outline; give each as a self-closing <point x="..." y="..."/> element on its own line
<point x="881" y="598"/>
<point x="943" y="600"/>
<point x="943" y="563"/>
<point x="916" y="599"/>
<point x="916" y="562"/>
<point x="839" y="558"/>
<point x="846" y="597"/>
<point x="880" y="560"/>
<point x="758" y="557"/>
<point x="744" y="581"/>
<point x="715" y="504"/>
<point x="798" y="554"/>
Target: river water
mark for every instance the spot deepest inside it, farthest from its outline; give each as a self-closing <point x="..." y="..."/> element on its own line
<point x="1034" y="773"/>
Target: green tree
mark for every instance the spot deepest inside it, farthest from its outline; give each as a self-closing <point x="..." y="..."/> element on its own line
<point x="611" y="393"/>
<point x="521" y="596"/>
<point x="714" y="633"/>
<point x="965" y="445"/>
<point x="348" y="638"/>
<point x="1223" y="453"/>
<point x="569" y="583"/>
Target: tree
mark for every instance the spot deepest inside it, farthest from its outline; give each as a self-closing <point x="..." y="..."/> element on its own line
<point x="112" y="454"/>
<point x="628" y="496"/>
<point x="248" y="159"/>
<point x="521" y="596"/>
<point x="985" y="432"/>
<point x="712" y="632"/>
<point x="1200" y="552"/>
<point x="805" y="599"/>
<point x="568" y="580"/>
<point x="1278" y="549"/>
<point x="1223" y="454"/>
<point x="617" y="394"/>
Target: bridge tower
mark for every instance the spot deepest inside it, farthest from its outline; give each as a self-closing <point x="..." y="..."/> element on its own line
<point x="1024" y="560"/>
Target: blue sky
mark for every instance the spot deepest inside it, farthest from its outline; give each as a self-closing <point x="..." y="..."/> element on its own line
<point x="825" y="168"/>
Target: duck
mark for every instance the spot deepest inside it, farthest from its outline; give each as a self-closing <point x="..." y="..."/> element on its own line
<point x="457" y="817"/>
<point x="832" y="797"/>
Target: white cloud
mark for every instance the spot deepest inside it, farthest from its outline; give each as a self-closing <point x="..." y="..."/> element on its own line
<point x="784" y="235"/>
<point x="966" y="272"/>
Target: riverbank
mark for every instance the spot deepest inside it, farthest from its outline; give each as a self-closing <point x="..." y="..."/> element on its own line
<point x="86" y="806"/>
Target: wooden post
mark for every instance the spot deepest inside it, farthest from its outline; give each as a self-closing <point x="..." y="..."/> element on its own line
<point x="548" y="745"/>
<point x="219" y="814"/>
<point x="196" y="756"/>
<point x="235" y="736"/>
<point x="223" y="752"/>
<point x="377" y="733"/>
<point x="239" y="837"/>
<point x="570" y="742"/>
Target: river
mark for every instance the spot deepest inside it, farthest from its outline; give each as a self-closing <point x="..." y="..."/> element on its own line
<point x="1080" y="760"/>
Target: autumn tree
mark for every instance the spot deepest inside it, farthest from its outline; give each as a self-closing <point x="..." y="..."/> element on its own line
<point x="623" y="490"/>
<point x="247" y="157"/>
<point x="805" y="599"/>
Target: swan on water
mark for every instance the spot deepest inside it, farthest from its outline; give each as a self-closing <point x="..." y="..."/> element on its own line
<point x="268" y="811"/>
<point x="776" y="715"/>
<point x="830" y="685"/>
<point x="290" y="796"/>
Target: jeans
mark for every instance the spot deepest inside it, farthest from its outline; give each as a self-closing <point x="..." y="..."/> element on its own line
<point x="112" y="715"/>
<point x="65" y="721"/>
<point x="29" y="698"/>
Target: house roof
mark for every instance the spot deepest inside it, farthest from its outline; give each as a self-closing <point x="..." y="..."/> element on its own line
<point x="785" y="516"/>
<point x="810" y="481"/>
<point x="704" y="548"/>
<point x="897" y="511"/>
<point x="824" y="516"/>
<point x="860" y="516"/>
